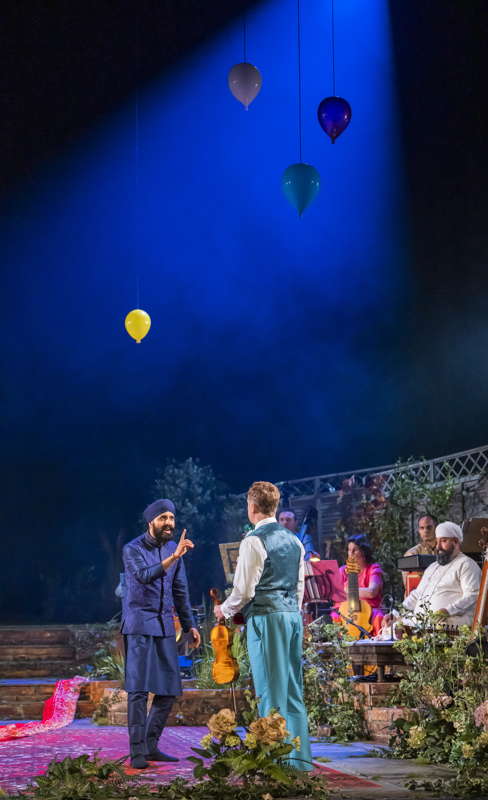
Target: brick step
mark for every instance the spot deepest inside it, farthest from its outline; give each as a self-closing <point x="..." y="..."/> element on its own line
<point x="26" y="701"/>
<point x="37" y="669"/>
<point x="39" y="652"/>
<point x="376" y="694"/>
<point x="34" y="635"/>
<point x="25" y="692"/>
<point x="193" y="707"/>
<point x="379" y="719"/>
<point x="39" y="690"/>
<point x="33" y="709"/>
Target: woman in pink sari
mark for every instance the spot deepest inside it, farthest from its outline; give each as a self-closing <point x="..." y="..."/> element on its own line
<point x="370" y="578"/>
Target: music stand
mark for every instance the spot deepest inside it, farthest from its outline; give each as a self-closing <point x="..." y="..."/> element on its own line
<point x="229" y="552"/>
<point x="323" y="586"/>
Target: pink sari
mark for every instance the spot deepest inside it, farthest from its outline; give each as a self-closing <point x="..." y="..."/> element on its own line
<point x="364" y="579"/>
<point x="59" y="710"/>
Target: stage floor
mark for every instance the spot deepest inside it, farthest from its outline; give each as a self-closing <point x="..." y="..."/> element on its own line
<point x="22" y="760"/>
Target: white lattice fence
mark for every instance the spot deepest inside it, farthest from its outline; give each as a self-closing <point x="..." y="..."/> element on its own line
<point x="458" y="466"/>
<point x="322" y="490"/>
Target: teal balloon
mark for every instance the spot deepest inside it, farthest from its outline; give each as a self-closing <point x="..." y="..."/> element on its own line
<point x="300" y="183"/>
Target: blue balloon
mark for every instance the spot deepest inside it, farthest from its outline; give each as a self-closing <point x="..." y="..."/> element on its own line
<point x="334" y="115"/>
<point x="300" y="183"/>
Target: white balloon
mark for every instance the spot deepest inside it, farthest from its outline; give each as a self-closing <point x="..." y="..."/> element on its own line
<point x="245" y="81"/>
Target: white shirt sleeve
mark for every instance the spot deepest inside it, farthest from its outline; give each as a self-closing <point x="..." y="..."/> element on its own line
<point x="410" y="601"/>
<point x="249" y="569"/>
<point x="469" y="581"/>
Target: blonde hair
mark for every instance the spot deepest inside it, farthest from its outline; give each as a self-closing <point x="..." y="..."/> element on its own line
<point x="265" y="497"/>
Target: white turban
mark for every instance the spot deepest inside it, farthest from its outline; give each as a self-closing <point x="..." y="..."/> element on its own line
<point x="448" y="530"/>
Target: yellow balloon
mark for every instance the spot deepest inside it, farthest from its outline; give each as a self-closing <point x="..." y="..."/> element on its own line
<point x="137" y="324"/>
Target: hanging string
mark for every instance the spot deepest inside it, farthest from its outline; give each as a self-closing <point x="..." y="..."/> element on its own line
<point x="136" y="203"/>
<point x="299" y="81"/>
<point x="244" y="37"/>
<point x="333" y="47"/>
<point x="136" y="168"/>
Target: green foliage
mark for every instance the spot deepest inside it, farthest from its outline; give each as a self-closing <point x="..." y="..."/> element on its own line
<point x="100" y="715"/>
<point x="233" y="771"/>
<point x="445" y="689"/>
<point x="329" y="694"/>
<point x="387" y="520"/>
<point x="108" y="658"/>
<point x="203" y="666"/>
<point x="409" y="496"/>
<point x="107" y="665"/>
<point x="252" y="711"/>
<point x="234" y="521"/>
<point x="232" y="756"/>
<point x="210" y="513"/>
<point x="197" y="494"/>
<point x="241" y="655"/>
<point x="81" y="778"/>
<point x="204" y="504"/>
<point x="257" y="760"/>
<point x="466" y="783"/>
<point x="219" y="788"/>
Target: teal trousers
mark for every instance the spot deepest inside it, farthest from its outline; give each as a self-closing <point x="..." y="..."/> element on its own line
<point x="275" y="651"/>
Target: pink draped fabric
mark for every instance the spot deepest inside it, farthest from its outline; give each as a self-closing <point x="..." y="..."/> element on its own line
<point x="59" y="710"/>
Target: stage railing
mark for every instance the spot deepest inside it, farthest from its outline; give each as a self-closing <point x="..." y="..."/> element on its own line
<point x="459" y="467"/>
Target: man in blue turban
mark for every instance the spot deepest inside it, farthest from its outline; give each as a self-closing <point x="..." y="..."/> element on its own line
<point x="155" y="584"/>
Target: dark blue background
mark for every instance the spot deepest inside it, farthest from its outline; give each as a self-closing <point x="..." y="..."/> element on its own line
<point x="279" y="347"/>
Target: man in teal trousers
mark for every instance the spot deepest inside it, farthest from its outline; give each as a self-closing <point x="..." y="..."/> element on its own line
<point x="268" y="590"/>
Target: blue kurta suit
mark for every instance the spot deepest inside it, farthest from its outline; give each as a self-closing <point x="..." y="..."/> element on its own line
<point x="147" y="624"/>
<point x="275" y="635"/>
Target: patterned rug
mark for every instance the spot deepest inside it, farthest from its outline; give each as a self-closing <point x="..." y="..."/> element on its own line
<point x="22" y="760"/>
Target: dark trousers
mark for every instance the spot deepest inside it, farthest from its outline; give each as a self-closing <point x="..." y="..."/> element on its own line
<point x="145" y="729"/>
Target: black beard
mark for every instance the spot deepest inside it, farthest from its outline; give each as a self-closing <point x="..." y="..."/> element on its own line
<point x="443" y="557"/>
<point x="163" y="536"/>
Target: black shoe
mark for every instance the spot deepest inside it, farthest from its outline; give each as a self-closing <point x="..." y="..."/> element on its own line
<point x="159" y="756"/>
<point x="138" y="762"/>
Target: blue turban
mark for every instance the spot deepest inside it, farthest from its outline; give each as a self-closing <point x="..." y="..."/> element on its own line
<point x="156" y="508"/>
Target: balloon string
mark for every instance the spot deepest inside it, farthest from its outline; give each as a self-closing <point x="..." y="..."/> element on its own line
<point x="136" y="199"/>
<point x="244" y="37"/>
<point x="299" y="81"/>
<point x="333" y="48"/>
<point x="136" y="165"/>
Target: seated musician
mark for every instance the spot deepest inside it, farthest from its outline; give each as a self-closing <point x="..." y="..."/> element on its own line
<point x="426" y="546"/>
<point x="448" y="587"/>
<point x="288" y="519"/>
<point x="370" y="578"/>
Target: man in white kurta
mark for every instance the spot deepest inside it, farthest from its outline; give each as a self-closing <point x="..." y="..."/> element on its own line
<point x="450" y="586"/>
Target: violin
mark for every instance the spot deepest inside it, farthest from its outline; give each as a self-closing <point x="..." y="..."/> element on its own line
<point x="225" y="668"/>
<point x="356" y="613"/>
